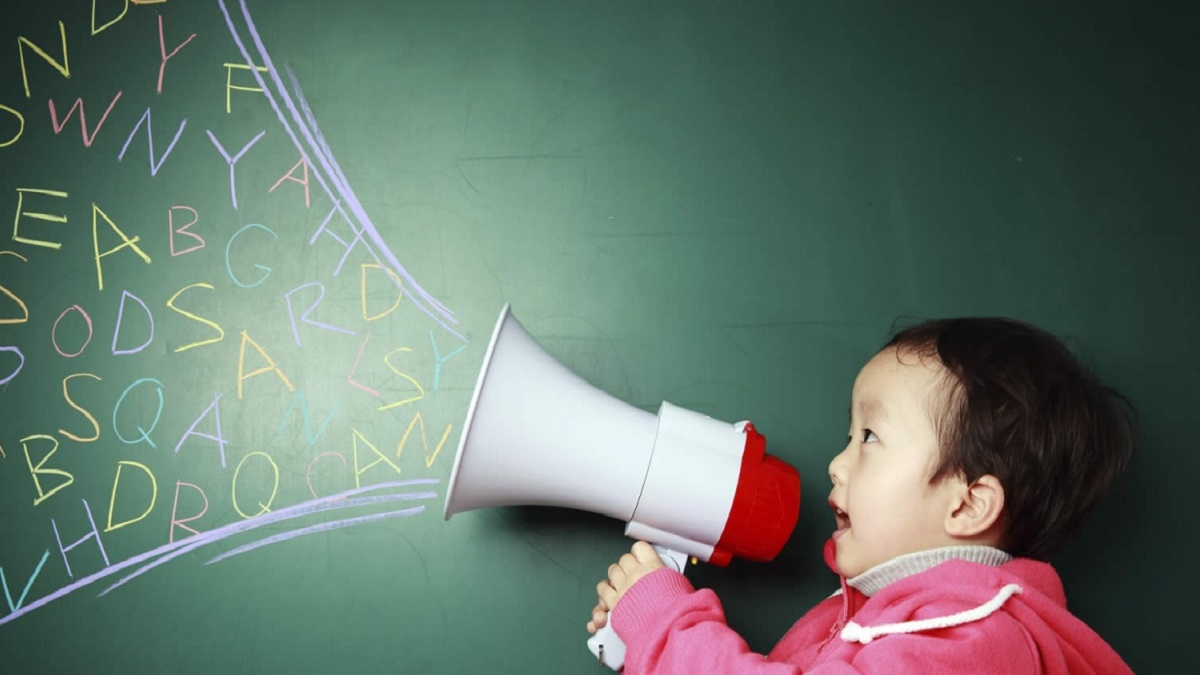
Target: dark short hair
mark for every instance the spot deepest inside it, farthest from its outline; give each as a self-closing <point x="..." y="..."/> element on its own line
<point x="1021" y="407"/>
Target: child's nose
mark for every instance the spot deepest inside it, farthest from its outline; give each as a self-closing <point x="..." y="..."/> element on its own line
<point x="837" y="468"/>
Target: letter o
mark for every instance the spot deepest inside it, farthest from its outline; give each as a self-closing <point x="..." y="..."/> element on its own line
<point x="308" y="474"/>
<point x="54" y="331"/>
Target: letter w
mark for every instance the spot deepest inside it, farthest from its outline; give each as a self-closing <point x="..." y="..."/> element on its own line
<point x="87" y="140"/>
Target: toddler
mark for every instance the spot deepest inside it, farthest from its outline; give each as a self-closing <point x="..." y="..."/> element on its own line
<point x="976" y="448"/>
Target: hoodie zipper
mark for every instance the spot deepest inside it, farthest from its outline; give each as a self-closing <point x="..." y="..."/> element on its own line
<point x="841" y="622"/>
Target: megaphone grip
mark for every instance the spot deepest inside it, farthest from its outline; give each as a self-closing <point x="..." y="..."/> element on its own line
<point x="606" y="645"/>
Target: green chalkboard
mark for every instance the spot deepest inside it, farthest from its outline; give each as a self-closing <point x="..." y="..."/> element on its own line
<point x="251" y="253"/>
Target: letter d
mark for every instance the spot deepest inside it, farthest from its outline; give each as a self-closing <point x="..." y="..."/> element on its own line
<point x="113" y="500"/>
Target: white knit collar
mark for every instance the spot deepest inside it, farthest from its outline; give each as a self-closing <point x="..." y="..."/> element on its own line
<point x="880" y="576"/>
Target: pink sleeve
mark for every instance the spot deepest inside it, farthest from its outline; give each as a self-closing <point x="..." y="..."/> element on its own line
<point x="669" y="627"/>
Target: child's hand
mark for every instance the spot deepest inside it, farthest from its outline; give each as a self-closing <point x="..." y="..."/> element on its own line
<point x="641" y="560"/>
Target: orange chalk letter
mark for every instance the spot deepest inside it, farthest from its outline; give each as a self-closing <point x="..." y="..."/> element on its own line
<point x="175" y="520"/>
<point x="302" y="164"/>
<point x="87" y="138"/>
<point x="162" y="46"/>
<point x="183" y="230"/>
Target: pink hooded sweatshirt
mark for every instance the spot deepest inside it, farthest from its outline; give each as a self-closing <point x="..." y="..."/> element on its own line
<point x="954" y="610"/>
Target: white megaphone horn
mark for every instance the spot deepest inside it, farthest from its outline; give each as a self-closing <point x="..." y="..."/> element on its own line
<point x="538" y="434"/>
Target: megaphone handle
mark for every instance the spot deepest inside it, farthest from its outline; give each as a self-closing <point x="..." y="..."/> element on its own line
<point x="606" y="645"/>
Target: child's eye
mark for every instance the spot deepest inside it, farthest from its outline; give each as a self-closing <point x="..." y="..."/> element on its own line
<point x="869" y="436"/>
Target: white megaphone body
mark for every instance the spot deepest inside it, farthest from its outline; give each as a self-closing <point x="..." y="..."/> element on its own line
<point x="537" y="434"/>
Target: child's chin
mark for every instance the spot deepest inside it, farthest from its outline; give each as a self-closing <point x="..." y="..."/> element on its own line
<point x="847" y="566"/>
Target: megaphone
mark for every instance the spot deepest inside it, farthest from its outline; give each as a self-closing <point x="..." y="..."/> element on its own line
<point x="538" y="434"/>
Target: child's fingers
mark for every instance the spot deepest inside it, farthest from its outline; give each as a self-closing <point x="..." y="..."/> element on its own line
<point x="599" y="619"/>
<point x="644" y="552"/>
<point x="618" y="571"/>
<point x="607" y="594"/>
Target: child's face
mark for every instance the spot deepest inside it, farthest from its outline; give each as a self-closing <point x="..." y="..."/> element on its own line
<point x="883" y="501"/>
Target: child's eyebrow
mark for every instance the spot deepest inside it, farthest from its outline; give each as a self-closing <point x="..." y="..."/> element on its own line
<point x="869" y="408"/>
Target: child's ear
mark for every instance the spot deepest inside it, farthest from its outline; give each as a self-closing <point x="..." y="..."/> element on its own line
<point x="977" y="508"/>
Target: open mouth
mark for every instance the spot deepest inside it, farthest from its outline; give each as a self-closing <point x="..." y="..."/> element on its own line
<point x="841" y="517"/>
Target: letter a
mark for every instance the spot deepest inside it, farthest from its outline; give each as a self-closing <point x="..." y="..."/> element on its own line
<point x="358" y="472"/>
<point x="219" y="437"/>
<point x="131" y="243"/>
<point x="302" y="164"/>
<point x="270" y="367"/>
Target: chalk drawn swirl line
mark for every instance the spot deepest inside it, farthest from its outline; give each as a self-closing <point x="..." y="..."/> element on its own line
<point x="341" y="500"/>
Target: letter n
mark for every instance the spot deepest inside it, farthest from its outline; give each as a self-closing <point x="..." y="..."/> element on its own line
<point x="154" y="165"/>
<point x="300" y="400"/>
<point x="64" y="68"/>
<point x="419" y="422"/>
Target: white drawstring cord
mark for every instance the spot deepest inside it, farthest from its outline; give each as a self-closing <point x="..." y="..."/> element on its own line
<point x="864" y="634"/>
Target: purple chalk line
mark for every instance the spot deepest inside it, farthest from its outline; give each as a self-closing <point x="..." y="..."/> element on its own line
<point x="194" y="542"/>
<point x="332" y="502"/>
<point x="315" y="529"/>
<point x="319" y="150"/>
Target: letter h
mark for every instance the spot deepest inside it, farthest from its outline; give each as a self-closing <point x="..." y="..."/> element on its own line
<point x="94" y="533"/>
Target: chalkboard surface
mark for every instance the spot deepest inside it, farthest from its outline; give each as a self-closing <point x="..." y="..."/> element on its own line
<point x="253" y="252"/>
